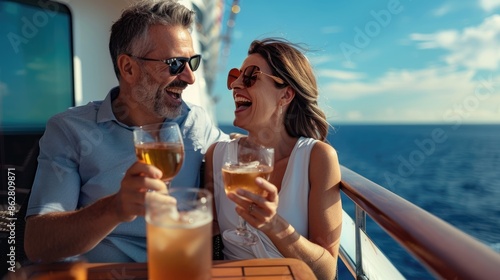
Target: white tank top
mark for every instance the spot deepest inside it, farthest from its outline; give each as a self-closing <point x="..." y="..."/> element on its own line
<point x="293" y="201"/>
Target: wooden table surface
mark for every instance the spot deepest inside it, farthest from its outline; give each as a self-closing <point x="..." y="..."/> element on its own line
<point x="283" y="269"/>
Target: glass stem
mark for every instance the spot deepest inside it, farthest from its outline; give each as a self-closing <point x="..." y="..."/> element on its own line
<point x="242" y="227"/>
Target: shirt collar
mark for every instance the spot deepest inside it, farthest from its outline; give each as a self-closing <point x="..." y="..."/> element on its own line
<point x="105" y="112"/>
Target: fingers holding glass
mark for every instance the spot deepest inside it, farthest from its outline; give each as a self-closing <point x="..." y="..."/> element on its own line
<point x="244" y="161"/>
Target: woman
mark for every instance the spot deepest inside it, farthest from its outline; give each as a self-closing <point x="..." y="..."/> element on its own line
<point x="275" y="94"/>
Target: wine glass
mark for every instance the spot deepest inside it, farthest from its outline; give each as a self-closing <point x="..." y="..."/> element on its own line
<point x="160" y="145"/>
<point x="244" y="161"/>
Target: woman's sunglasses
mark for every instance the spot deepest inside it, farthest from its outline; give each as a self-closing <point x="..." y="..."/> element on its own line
<point x="177" y="64"/>
<point x="249" y="76"/>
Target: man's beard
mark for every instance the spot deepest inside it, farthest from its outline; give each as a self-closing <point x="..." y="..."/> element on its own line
<point x="155" y="100"/>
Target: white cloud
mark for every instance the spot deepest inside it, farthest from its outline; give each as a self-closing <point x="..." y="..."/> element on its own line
<point x="423" y="96"/>
<point x="321" y="59"/>
<point x="441" y="11"/>
<point x="473" y="47"/>
<point x="444" y="39"/>
<point x="397" y="82"/>
<point x="349" y="64"/>
<point x="489" y="5"/>
<point x="354" y="115"/>
<point x="340" y="75"/>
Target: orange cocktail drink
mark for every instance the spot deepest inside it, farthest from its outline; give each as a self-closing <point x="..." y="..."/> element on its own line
<point x="179" y="234"/>
<point x="168" y="157"/>
<point x="237" y="177"/>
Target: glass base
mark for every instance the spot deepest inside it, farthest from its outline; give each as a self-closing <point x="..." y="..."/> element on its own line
<point x="240" y="237"/>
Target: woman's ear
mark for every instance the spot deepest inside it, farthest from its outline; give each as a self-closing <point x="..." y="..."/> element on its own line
<point x="127" y="67"/>
<point x="287" y="96"/>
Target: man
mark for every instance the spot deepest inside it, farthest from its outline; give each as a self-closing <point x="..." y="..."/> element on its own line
<point x="88" y="194"/>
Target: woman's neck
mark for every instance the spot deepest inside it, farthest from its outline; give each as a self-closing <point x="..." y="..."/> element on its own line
<point x="281" y="142"/>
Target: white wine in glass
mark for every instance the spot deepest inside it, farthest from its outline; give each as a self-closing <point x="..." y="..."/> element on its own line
<point x="244" y="161"/>
<point x="160" y="145"/>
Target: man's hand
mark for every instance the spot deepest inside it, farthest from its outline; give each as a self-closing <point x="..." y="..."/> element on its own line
<point x="139" y="178"/>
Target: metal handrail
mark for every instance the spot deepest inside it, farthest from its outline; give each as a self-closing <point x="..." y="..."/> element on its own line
<point x="445" y="251"/>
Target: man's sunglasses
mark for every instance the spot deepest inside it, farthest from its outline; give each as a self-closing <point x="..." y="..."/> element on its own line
<point x="176" y="64"/>
<point x="249" y="76"/>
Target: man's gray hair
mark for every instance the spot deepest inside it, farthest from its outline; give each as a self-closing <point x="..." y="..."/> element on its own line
<point x="130" y="33"/>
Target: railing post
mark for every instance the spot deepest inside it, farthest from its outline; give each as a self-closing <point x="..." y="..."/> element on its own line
<point x="360" y="226"/>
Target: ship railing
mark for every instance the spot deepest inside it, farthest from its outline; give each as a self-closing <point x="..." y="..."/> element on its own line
<point x="443" y="250"/>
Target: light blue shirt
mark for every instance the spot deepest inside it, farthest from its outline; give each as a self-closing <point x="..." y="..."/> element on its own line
<point x="84" y="154"/>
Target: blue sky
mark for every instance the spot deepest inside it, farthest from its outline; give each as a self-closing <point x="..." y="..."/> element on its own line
<point x="384" y="61"/>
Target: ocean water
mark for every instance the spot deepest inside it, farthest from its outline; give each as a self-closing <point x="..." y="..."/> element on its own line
<point x="451" y="171"/>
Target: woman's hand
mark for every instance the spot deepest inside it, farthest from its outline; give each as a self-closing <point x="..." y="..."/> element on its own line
<point x="259" y="211"/>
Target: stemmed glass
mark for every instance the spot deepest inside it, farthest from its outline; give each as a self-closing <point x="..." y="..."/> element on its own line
<point x="244" y="161"/>
<point x="160" y="145"/>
